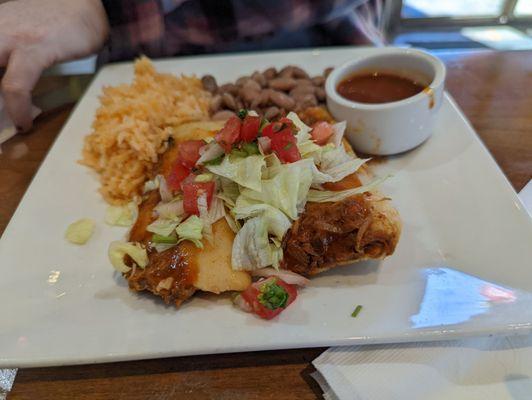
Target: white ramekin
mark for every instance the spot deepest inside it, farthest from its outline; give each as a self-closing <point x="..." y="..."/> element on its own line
<point x="395" y="127"/>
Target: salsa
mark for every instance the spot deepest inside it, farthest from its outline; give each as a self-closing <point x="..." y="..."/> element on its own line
<point x="378" y="87"/>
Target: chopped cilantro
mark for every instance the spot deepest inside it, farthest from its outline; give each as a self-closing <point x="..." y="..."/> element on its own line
<point x="238" y="153"/>
<point x="272" y="296"/>
<point x="250" y="148"/>
<point x="356" y="311"/>
<point x="263" y="123"/>
<point x="242" y="113"/>
<point x="215" y="161"/>
<point x="288" y="146"/>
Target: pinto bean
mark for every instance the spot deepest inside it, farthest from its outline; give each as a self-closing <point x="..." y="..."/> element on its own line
<point x="251" y="85"/>
<point x="282" y="100"/>
<point x="259" y="78"/>
<point x="303" y="82"/>
<point x="298" y="72"/>
<point x="270" y="73"/>
<point x="216" y="103"/>
<point x="318" y="80"/>
<point x="248" y="94"/>
<point x="283" y="84"/>
<point x="223" y="115"/>
<point x="242" y="80"/>
<point x="209" y="84"/>
<point x="270" y="93"/>
<point x="261" y="100"/>
<point x="306" y="101"/>
<point x="229" y="88"/>
<point x="229" y="101"/>
<point x="320" y="94"/>
<point x="302" y="90"/>
<point x="271" y="112"/>
<point x="287" y="72"/>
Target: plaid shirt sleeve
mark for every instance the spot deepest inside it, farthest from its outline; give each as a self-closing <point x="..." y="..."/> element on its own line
<point x="137" y="27"/>
<point x="159" y="28"/>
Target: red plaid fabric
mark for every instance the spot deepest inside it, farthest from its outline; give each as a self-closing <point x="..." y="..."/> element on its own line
<point x="160" y="28"/>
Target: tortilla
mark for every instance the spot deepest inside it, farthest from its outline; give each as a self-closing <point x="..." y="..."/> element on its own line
<point x="326" y="235"/>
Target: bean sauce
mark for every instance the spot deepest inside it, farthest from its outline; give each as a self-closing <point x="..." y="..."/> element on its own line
<point x="378" y="87"/>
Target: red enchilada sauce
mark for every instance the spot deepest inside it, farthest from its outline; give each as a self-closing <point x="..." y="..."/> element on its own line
<point x="378" y="87"/>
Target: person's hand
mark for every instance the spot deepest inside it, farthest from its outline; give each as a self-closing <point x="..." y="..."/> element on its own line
<point x="35" y="34"/>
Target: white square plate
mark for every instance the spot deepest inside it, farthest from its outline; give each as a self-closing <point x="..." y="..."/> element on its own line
<point x="462" y="267"/>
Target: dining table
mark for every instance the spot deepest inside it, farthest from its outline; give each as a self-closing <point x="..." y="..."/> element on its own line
<point x="494" y="90"/>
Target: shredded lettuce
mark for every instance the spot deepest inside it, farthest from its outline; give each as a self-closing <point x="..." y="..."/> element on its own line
<point x="162" y="239"/>
<point x="339" y="164"/>
<point x="209" y="215"/>
<point x="150" y="185"/>
<point x="233" y="223"/>
<point x="210" y="152"/>
<point x="160" y="247"/>
<point x="335" y="165"/>
<point x="338" y="133"/>
<point x="172" y="210"/>
<point x="277" y="255"/>
<point x="204" y="177"/>
<point x="164" y="191"/>
<point x="80" y="232"/>
<point x="273" y="165"/>
<point x="118" y="250"/>
<point x="229" y="191"/>
<point x="310" y="149"/>
<point x="163" y="227"/>
<point x="303" y="133"/>
<point x="287" y="190"/>
<point x="324" y="196"/>
<point x="191" y="229"/>
<point x="251" y="247"/>
<point x="306" y="146"/>
<point x="276" y="221"/>
<point x="247" y="171"/>
<point x="121" y="215"/>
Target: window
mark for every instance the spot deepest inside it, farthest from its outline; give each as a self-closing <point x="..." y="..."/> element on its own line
<point x="451" y="8"/>
<point x="523" y="7"/>
<point x="450" y="24"/>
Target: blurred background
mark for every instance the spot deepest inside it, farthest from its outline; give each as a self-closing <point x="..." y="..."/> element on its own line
<point x="450" y="25"/>
<point x="461" y="24"/>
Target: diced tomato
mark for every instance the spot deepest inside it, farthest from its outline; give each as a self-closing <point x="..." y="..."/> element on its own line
<point x="287" y="123"/>
<point x="321" y="132"/>
<point x="229" y="134"/>
<point x="284" y="144"/>
<point x="177" y="175"/>
<point x="270" y="129"/>
<point x="192" y="191"/>
<point x="250" y="128"/>
<point x="269" y="297"/>
<point x="278" y="126"/>
<point x="188" y="152"/>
